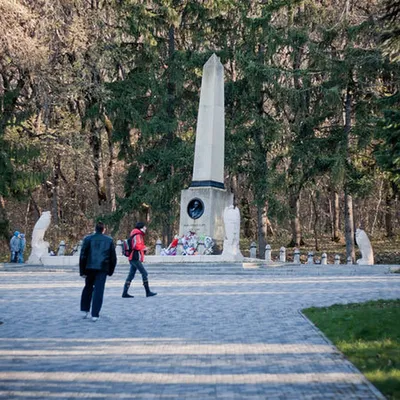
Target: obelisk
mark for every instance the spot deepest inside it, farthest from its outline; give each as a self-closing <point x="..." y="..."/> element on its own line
<point x="208" y="168"/>
<point x="204" y="202"/>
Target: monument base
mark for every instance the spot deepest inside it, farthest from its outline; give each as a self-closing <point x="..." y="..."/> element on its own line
<point x="210" y="223"/>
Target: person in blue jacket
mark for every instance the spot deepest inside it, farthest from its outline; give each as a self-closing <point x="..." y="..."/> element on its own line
<point x="22" y="245"/>
<point x="14" y="247"/>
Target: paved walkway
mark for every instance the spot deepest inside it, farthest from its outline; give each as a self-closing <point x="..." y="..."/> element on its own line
<point x="236" y="336"/>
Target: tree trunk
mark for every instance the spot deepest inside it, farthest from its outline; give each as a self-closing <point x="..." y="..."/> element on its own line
<point x="349" y="220"/>
<point x="336" y="234"/>
<point x="167" y="226"/>
<point x="55" y="190"/>
<point x="247" y="219"/>
<point x="389" y="200"/>
<point x="4" y="223"/>
<point x="36" y="207"/>
<point x="378" y="206"/>
<point x="269" y="231"/>
<point x="111" y="165"/>
<point x="349" y="227"/>
<point x="261" y="229"/>
<point x="315" y="223"/>
<point x="95" y="143"/>
<point x="294" y="205"/>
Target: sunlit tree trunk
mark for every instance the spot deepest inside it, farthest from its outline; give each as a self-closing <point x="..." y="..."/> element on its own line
<point x="336" y="233"/>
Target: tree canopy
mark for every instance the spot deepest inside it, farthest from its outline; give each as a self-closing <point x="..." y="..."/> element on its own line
<point x="99" y="103"/>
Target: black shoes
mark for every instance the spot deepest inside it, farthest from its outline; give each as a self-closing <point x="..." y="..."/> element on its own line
<point x="127" y="284"/>
<point x="149" y="293"/>
<point x="125" y="292"/>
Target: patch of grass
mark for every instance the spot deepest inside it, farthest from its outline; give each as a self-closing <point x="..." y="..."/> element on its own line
<point x="368" y="334"/>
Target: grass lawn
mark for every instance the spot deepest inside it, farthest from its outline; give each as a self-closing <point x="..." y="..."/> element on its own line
<point x="368" y="334"/>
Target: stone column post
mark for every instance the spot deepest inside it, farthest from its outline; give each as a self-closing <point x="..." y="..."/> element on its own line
<point x="268" y="257"/>
<point x="119" y="248"/>
<point x="61" y="248"/>
<point x="200" y="248"/>
<point x="253" y="250"/>
<point x="296" y="257"/>
<point x="158" y="247"/>
<point x="282" y="254"/>
<point x="349" y="260"/>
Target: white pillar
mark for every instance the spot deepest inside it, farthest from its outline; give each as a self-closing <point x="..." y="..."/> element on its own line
<point x="337" y="259"/>
<point x="296" y="257"/>
<point x="253" y="250"/>
<point x="158" y="247"/>
<point x="200" y="248"/>
<point x="282" y="254"/>
<point x="119" y="248"/>
<point x="61" y="248"/>
<point x="268" y="257"/>
<point x="324" y="259"/>
<point x="349" y="260"/>
<point x="79" y="247"/>
<point x="310" y="258"/>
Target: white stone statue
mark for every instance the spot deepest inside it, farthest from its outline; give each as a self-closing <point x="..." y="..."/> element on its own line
<point x="367" y="255"/>
<point x="39" y="246"/>
<point x="232" y="233"/>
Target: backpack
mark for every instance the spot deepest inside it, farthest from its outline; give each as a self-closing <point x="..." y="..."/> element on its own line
<point x="127" y="246"/>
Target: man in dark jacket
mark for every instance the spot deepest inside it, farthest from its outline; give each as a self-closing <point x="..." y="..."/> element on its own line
<point x="97" y="260"/>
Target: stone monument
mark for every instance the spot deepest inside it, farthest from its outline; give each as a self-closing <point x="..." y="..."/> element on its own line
<point x="232" y="233"/>
<point x="39" y="246"/>
<point x="204" y="202"/>
<point x="367" y="254"/>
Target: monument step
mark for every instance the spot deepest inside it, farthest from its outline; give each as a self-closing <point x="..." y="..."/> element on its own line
<point x="224" y="269"/>
<point x="188" y="268"/>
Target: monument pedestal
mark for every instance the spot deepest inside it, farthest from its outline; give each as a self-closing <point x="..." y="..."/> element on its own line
<point x="210" y="223"/>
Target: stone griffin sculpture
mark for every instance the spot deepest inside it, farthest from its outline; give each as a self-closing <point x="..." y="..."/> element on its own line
<point x="367" y="255"/>
<point x="232" y="232"/>
<point x="39" y="246"/>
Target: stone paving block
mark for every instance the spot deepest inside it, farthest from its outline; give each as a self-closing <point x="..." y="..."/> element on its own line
<point x="219" y="336"/>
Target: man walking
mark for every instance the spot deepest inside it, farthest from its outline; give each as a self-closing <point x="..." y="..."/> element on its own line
<point x="136" y="258"/>
<point x="97" y="260"/>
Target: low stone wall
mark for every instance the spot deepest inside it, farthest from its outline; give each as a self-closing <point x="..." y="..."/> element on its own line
<point x="59" y="261"/>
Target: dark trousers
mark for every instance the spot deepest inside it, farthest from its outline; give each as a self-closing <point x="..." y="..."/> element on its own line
<point x="136" y="265"/>
<point x="14" y="256"/>
<point x="94" y="288"/>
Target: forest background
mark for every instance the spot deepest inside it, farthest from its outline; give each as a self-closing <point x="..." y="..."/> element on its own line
<point x="99" y="102"/>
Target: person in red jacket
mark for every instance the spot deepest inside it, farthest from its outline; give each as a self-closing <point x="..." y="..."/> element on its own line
<point x="136" y="258"/>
